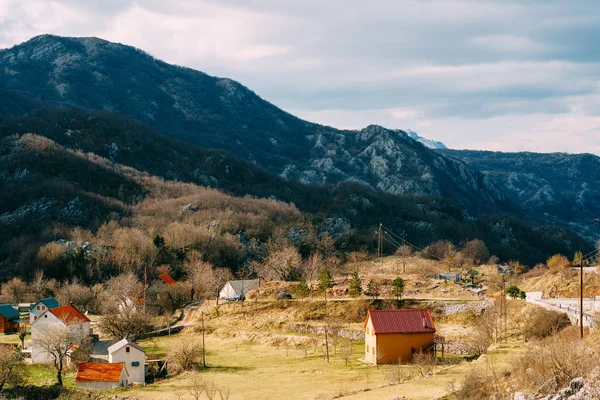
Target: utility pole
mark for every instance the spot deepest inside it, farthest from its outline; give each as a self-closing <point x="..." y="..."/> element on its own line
<point x="579" y="258"/>
<point x="380" y="241"/>
<point x="326" y="344"/>
<point x="503" y="307"/>
<point x="203" y="347"/>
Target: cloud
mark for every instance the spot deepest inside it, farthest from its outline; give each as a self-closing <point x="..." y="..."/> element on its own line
<point x="500" y="74"/>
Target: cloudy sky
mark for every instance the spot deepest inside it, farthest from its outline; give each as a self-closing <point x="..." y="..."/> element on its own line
<point x="501" y="75"/>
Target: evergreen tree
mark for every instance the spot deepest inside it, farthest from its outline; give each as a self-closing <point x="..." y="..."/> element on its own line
<point x="372" y="289"/>
<point x="354" y="288"/>
<point x="302" y="289"/>
<point x="398" y="287"/>
<point x="325" y="280"/>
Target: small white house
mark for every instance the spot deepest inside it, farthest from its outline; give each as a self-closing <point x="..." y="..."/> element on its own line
<point x="53" y="320"/>
<point x="37" y="309"/>
<point x="102" y="375"/>
<point x="133" y="356"/>
<point x="233" y="290"/>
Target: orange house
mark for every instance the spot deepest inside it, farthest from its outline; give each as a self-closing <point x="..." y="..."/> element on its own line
<point x="393" y="336"/>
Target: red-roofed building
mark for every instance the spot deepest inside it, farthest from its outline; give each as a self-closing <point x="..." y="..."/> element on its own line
<point x="102" y="375"/>
<point x="52" y="322"/>
<point x="69" y="315"/>
<point x="393" y="336"/>
<point x="159" y="287"/>
<point x="167" y="280"/>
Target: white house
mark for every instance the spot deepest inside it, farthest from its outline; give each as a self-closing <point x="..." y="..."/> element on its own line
<point x="53" y="320"/>
<point x="132" y="355"/>
<point x="37" y="309"/>
<point x="233" y="290"/>
<point x="102" y="375"/>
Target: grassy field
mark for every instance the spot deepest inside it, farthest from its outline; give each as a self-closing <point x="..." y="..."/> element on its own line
<point x="254" y="371"/>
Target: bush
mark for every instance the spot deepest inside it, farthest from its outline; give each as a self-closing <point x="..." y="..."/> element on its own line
<point x="541" y="323"/>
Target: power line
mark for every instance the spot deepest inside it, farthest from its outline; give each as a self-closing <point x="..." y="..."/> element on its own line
<point x="406" y="242"/>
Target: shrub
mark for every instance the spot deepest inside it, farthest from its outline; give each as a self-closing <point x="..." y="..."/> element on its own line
<point x="541" y="323"/>
<point x="558" y="262"/>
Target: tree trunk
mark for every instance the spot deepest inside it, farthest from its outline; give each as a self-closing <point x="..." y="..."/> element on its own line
<point x="59" y="370"/>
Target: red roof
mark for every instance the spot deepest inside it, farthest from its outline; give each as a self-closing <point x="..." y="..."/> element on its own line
<point x="99" y="372"/>
<point x="69" y="315"/>
<point x="413" y="320"/>
<point x="166" y="278"/>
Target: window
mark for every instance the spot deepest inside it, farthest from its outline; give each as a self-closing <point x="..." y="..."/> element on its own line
<point x="43" y="307"/>
<point x="45" y="316"/>
<point x="367" y="348"/>
<point x="135" y="363"/>
<point x="373" y="350"/>
<point x="38" y="308"/>
<point x="127" y="349"/>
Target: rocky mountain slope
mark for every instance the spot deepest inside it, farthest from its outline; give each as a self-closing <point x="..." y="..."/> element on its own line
<point x="219" y="113"/>
<point x="556" y="188"/>
<point x="432" y="144"/>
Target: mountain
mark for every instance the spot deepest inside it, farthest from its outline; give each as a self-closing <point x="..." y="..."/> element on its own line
<point x="556" y="188"/>
<point x="84" y="173"/>
<point x="219" y="113"/>
<point x="431" y="144"/>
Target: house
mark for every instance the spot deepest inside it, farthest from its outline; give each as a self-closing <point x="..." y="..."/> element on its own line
<point x="40" y="307"/>
<point x="102" y="375"/>
<point x="131" y="302"/>
<point x="9" y="319"/>
<point x="234" y="290"/>
<point x="393" y="336"/>
<point x="54" y="319"/>
<point x="153" y="291"/>
<point x="133" y="356"/>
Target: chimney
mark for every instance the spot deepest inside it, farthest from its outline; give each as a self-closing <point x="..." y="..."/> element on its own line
<point x="424" y="322"/>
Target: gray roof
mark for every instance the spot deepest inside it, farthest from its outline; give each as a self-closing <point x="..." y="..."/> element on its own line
<point x="121" y="343"/>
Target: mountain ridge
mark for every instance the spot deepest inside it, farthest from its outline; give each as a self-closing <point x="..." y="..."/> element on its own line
<point x="94" y="74"/>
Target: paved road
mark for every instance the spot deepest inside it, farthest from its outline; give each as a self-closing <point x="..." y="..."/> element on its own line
<point x="570" y="306"/>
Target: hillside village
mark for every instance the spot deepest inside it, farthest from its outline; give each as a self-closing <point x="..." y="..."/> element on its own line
<point x="370" y="327"/>
<point x="169" y="234"/>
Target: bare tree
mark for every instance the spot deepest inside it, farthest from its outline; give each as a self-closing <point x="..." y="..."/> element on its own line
<point x="312" y="268"/>
<point x="55" y="342"/>
<point x="404" y="252"/>
<point x="186" y="354"/>
<point x="346" y="351"/>
<point x="424" y="363"/>
<point x="199" y="273"/>
<point x="224" y="393"/>
<point x="131" y="323"/>
<point x="23" y="332"/>
<point x="281" y="264"/>
<point x="197" y="383"/>
<point x="210" y="389"/>
<point x="12" y="368"/>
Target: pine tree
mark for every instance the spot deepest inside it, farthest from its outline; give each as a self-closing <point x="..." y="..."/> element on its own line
<point x="354" y="288"/>
<point x="398" y="287"/>
<point x="372" y="289"/>
<point x="302" y="289"/>
<point x="325" y="280"/>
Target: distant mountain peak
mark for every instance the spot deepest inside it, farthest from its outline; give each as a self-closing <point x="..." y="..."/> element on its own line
<point x="432" y="144"/>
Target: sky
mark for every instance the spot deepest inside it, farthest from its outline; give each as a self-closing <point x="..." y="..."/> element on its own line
<point x="499" y="75"/>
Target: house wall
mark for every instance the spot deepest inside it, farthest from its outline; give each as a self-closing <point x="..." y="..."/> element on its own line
<point x="151" y="296"/>
<point x="34" y="313"/>
<point x="370" y="343"/>
<point x="136" y="374"/>
<point x="47" y="322"/>
<point x="101" y="385"/>
<point x="227" y="292"/>
<point x="393" y="347"/>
